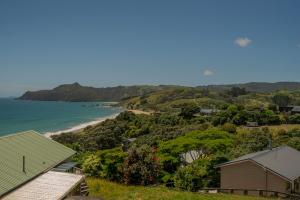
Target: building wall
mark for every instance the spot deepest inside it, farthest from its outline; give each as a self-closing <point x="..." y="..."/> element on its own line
<point x="276" y="183"/>
<point x="248" y="175"/>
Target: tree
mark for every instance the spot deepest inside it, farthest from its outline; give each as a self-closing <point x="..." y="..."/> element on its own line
<point x="91" y="166"/>
<point x="251" y="141"/>
<point x="230" y="128"/>
<point x="281" y="99"/>
<point x="201" y="173"/>
<point x="294" y="119"/>
<point x="189" y="110"/>
<point x="141" y="167"/>
<point x="237" y="91"/>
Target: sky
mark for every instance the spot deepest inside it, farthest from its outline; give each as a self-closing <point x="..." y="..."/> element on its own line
<point x="133" y="42"/>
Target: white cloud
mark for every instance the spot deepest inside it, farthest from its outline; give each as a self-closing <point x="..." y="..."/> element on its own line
<point x="243" y="42"/>
<point x="208" y="72"/>
<point x="298" y="45"/>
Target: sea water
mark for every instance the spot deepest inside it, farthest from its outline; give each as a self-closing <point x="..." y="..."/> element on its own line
<point x="51" y="116"/>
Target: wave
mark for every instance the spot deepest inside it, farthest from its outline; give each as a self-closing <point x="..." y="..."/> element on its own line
<point x="81" y="126"/>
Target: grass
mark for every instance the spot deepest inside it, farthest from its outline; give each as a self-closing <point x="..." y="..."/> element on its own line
<point x="286" y="127"/>
<point x="113" y="191"/>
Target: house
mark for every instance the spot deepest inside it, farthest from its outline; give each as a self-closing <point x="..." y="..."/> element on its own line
<point x="252" y="124"/>
<point x="207" y="111"/>
<point x="276" y="169"/>
<point x="290" y="109"/>
<point x="34" y="167"/>
<point x="295" y="110"/>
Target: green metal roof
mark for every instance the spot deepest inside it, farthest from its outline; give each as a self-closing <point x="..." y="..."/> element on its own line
<point x="41" y="154"/>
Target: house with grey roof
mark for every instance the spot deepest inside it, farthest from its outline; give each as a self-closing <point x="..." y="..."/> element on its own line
<point x="276" y="169"/>
<point x="34" y="167"/>
<point x="295" y="110"/>
<point x="290" y="109"/>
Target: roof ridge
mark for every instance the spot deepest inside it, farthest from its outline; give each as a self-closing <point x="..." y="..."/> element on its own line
<point x="18" y="133"/>
<point x="268" y="151"/>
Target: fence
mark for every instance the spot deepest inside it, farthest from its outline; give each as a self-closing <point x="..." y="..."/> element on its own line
<point x="257" y="192"/>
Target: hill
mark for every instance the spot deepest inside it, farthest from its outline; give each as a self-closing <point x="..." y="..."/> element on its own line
<point x="76" y="92"/>
<point x="258" y="86"/>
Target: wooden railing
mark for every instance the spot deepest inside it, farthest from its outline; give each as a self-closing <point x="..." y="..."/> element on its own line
<point x="258" y="192"/>
<point x="77" y="170"/>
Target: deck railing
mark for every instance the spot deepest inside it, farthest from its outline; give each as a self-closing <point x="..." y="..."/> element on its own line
<point x="258" y="192"/>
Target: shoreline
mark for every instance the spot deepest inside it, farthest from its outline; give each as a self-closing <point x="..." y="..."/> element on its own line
<point x="81" y="126"/>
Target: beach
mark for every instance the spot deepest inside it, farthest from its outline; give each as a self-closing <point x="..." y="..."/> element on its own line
<point x="80" y="127"/>
<point x="95" y="122"/>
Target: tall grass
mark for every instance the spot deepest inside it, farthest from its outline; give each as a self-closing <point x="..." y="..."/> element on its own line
<point x="113" y="191"/>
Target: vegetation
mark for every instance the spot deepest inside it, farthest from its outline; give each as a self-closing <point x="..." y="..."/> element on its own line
<point x="113" y="191"/>
<point x="76" y="92"/>
<point x="190" y="131"/>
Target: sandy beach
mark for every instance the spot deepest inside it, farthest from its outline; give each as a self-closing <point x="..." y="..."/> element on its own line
<point x="79" y="127"/>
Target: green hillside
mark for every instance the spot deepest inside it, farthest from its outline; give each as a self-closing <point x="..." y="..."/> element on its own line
<point x="76" y="92"/>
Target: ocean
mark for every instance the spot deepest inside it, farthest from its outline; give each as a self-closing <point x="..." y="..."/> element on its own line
<point x="49" y="117"/>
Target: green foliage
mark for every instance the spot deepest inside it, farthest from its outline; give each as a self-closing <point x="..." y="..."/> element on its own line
<point x="237" y="91"/>
<point x="141" y="167"/>
<point x="106" y="164"/>
<point x="175" y="130"/>
<point x="92" y="166"/>
<point x="189" y="110"/>
<point x="112" y="164"/>
<point x="210" y="142"/>
<point x="294" y="119"/>
<point x="192" y="177"/>
<point x="228" y="127"/>
<point x="249" y="141"/>
<point x="281" y="99"/>
<point x="201" y="173"/>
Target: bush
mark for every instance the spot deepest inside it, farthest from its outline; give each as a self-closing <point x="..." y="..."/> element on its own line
<point x="294" y="119"/>
<point x="91" y="166"/>
<point x="201" y="173"/>
<point x="141" y="167"/>
<point x="190" y="177"/>
<point x="230" y="128"/>
<point x="112" y="164"/>
<point x="106" y="164"/>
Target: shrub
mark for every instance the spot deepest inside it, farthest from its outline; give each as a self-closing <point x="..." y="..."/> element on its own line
<point x="201" y="173"/>
<point x="294" y="119"/>
<point x="112" y="164"/>
<point x="230" y="128"/>
<point x="141" y="167"/>
<point x="91" y="166"/>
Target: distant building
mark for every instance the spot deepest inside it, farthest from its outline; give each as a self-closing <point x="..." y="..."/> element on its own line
<point x="34" y="167"/>
<point x="290" y="109"/>
<point x="208" y="111"/>
<point x="252" y="124"/>
<point x="276" y="169"/>
<point x="295" y="110"/>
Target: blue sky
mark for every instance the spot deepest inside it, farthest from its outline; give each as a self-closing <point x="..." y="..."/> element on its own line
<point x="109" y="43"/>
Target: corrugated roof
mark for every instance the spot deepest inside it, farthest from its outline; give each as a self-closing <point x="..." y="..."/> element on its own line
<point x="296" y="109"/>
<point x="49" y="186"/>
<point x="41" y="154"/>
<point x="283" y="160"/>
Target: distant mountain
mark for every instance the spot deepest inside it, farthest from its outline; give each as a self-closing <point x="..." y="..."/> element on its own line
<point x="76" y="92"/>
<point x="258" y="86"/>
